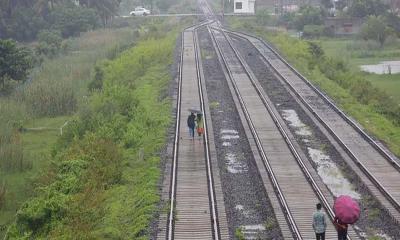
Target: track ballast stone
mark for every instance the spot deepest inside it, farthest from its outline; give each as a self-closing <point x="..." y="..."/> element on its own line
<point x="248" y="208"/>
<point x="373" y="220"/>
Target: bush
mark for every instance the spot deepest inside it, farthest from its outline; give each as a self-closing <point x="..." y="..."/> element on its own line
<point x="49" y="43"/>
<point x="72" y="20"/>
<point x="313" y="31"/>
<point x="308" y="15"/>
<point x="48" y="98"/>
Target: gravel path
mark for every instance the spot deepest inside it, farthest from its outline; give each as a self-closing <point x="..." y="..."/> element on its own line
<point x="249" y="210"/>
<point x="339" y="178"/>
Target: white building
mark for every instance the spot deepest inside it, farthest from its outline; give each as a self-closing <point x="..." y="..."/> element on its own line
<point x="244" y="6"/>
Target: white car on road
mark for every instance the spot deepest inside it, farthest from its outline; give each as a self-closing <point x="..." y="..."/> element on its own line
<point x="140" y="11"/>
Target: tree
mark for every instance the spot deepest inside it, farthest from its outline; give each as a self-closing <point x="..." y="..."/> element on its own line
<point x="14" y="62"/>
<point x="107" y="9"/>
<point x="308" y="15"/>
<point x="327" y="4"/>
<point x="374" y="29"/>
<point x="363" y="8"/>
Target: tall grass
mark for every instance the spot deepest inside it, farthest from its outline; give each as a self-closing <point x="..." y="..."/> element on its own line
<point x="12" y="115"/>
<point x="100" y="188"/>
<point x="57" y="89"/>
<point x="61" y="83"/>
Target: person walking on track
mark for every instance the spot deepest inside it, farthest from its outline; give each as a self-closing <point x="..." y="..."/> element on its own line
<point x="319" y="223"/>
<point x="199" y="124"/>
<point x="191" y="124"/>
<point x="341" y="228"/>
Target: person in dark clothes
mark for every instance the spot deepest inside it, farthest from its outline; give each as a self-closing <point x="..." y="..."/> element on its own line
<point x="191" y="122"/>
<point x="341" y="228"/>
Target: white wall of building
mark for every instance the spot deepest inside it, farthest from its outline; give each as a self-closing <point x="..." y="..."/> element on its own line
<point x="244" y="6"/>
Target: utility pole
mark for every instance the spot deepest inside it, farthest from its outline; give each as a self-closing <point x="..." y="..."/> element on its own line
<point x="223" y="9"/>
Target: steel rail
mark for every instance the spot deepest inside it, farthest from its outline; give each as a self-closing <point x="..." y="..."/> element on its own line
<point x="281" y="197"/>
<point x="214" y="217"/>
<point x="381" y="188"/>
<point x="176" y="147"/>
<point x="284" y="134"/>
<point x="362" y="132"/>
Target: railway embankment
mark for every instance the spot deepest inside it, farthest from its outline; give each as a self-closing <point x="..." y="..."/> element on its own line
<point x="103" y="182"/>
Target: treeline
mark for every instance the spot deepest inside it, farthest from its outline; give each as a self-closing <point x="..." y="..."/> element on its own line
<point x="380" y="19"/>
<point x="22" y="20"/>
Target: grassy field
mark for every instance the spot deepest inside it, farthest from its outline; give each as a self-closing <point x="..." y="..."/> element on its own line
<point x="389" y="83"/>
<point x="37" y="146"/>
<point x="72" y="71"/>
<point x="356" y="53"/>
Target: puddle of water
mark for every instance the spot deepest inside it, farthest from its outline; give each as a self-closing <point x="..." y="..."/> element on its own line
<point x="229" y="131"/>
<point x="291" y="116"/>
<point x="226" y="144"/>
<point x="233" y="165"/>
<point x="382" y="68"/>
<point x="229" y="137"/>
<point x="240" y="208"/>
<point x="252" y="231"/>
<point x="252" y="228"/>
<point x="331" y="174"/>
<point x="383" y="236"/>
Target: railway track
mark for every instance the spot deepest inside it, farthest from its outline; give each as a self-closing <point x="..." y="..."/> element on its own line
<point x="375" y="165"/>
<point x="195" y="189"/>
<point x="196" y="205"/>
<point x="286" y="169"/>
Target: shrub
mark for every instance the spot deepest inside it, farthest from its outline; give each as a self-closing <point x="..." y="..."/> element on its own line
<point x="311" y="31"/>
<point x="71" y="20"/>
<point x="49" y="43"/>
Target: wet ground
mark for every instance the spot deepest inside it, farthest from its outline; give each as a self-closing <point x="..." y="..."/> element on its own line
<point x="248" y="208"/>
<point x="385" y="67"/>
<point x="332" y="169"/>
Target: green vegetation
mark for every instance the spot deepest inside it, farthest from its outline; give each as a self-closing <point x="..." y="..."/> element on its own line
<point x="31" y="117"/>
<point x="14" y="63"/>
<point x="370" y="106"/>
<point x="375" y="29"/>
<point x="24" y="19"/>
<point x="239" y="233"/>
<point x="355" y="53"/>
<point x="98" y="186"/>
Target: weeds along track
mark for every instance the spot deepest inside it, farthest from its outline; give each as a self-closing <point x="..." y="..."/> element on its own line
<point x="293" y="180"/>
<point x="376" y="166"/>
<point x="196" y="209"/>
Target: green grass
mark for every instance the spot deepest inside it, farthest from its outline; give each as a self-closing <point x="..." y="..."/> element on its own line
<point x="36" y="150"/>
<point x="98" y="186"/>
<point x="389" y="83"/>
<point x="74" y="71"/>
<point x="357" y="52"/>
<point x="354" y="57"/>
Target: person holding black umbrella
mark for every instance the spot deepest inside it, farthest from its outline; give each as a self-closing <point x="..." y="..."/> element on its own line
<point x="191" y="124"/>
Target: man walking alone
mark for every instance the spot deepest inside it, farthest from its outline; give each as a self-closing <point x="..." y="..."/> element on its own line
<point x="319" y="223"/>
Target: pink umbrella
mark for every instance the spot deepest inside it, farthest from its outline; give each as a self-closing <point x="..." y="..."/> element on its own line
<point x="346" y="209"/>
